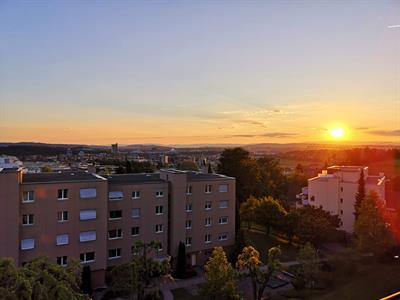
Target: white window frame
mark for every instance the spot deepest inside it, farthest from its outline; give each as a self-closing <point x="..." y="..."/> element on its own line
<point x="223" y="237"/>
<point x="62" y="239"/>
<point x="28" y="219"/>
<point x="88" y="193"/>
<point x="87" y="236"/>
<point x="116" y="218"/>
<point x="85" y="261"/>
<point x="63" y="260"/>
<point x="30" y="244"/>
<point x="223" y="202"/>
<point x="189" y="190"/>
<point x="208" y="224"/>
<point x="208" y="189"/>
<point x="221" y="220"/>
<point x="188" y="241"/>
<point x="138" y="227"/>
<point x="87" y="214"/>
<point x="118" y="234"/>
<point x="30" y="196"/>
<point x="136" y="194"/>
<point x="136" y="209"/>
<point x="62" y="216"/>
<point x="208" y="205"/>
<point x="190" y="224"/>
<point x="158" y="209"/>
<point x="117" y="255"/>
<point x="189" y="207"/>
<point x="207" y="238"/>
<point x="64" y="192"/>
<point x="115" y="195"/>
<point x="159" y="194"/>
<point x="159" y="228"/>
<point x="223" y="188"/>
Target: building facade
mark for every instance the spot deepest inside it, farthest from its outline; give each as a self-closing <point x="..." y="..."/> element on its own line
<point x="334" y="190"/>
<point x="97" y="220"/>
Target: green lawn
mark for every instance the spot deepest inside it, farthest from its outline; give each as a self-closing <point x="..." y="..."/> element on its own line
<point x="262" y="243"/>
<point x="182" y="294"/>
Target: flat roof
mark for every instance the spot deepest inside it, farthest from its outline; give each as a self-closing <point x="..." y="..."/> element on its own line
<point x="136" y="178"/>
<point x="193" y="176"/>
<point x="50" y="177"/>
<point x="347" y="168"/>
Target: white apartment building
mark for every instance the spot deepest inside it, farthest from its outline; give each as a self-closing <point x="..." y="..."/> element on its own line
<point x="334" y="191"/>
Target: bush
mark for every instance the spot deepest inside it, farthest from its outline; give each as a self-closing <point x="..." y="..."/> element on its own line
<point x="189" y="273"/>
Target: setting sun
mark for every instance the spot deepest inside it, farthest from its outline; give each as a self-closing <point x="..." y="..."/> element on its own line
<point x="337" y="132"/>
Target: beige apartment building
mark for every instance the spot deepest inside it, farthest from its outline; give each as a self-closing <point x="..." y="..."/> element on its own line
<point x="334" y="190"/>
<point x="96" y="220"/>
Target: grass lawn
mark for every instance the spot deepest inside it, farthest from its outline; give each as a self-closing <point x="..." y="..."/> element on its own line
<point x="182" y="294"/>
<point x="262" y="243"/>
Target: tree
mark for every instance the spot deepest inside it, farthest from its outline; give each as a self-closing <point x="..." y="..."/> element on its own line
<point x="270" y="213"/>
<point x="188" y="165"/>
<point x="181" y="260"/>
<point x="373" y="233"/>
<point x="248" y="210"/>
<point x="40" y="279"/>
<point x="315" y="225"/>
<point x="210" y="171"/>
<point x="249" y="259"/>
<point x="309" y="264"/>
<point x="360" y="195"/>
<point x="134" y="277"/>
<point x="220" y="278"/>
<point x="290" y="223"/>
<point x="86" y="285"/>
<point x="128" y="166"/>
<point x="272" y="182"/>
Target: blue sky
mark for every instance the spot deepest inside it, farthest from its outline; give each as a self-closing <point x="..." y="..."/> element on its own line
<point x="198" y="71"/>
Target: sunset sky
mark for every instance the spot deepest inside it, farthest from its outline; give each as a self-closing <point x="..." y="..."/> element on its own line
<point x="196" y="72"/>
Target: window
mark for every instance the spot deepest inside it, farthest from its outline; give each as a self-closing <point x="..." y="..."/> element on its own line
<point x="159" y="228"/>
<point x="188" y="224"/>
<point x="223" y="188"/>
<point x="62" y="216"/>
<point x="135" y="194"/>
<point x="208" y="222"/>
<point x="62" y="239"/>
<point x="87" y="214"/>
<point x="341" y="189"/>
<point x="62" y="194"/>
<point x="223" y="220"/>
<point x="28" y="196"/>
<point x="87" y="236"/>
<point x="159" y="194"/>
<point x="88" y="193"/>
<point x="312" y="198"/>
<point x="223" y="204"/>
<point x="114" y="253"/>
<point x="159" y="247"/>
<point x="136" y="213"/>
<point x="208" y="188"/>
<point x="87" y="257"/>
<point x="159" y="210"/>
<point x="341" y="211"/>
<point x="188" y="241"/>
<point x="207" y="206"/>
<point x="115" y="214"/>
<point x="188" y="207"/>
<point x="114" y="234"/>
<point x="222" y="237"/>
<point x="189" y="190"/>
<point x="341" y="200"/>
<point x="115" y="195"/>
<point x="62" y="260"/>
<point x="135" y="230"/>
<point x="27" y="220"/>
<point x="27" y="244"/>
<point x="207" y="238"/>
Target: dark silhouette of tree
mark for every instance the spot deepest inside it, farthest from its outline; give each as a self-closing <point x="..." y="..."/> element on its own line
<point x="209" y="169"/>
<point x="86" y="285"/>
<point x="360" y="195"/>
<point x="181" y="260"/>
<point x="270" y="213"/>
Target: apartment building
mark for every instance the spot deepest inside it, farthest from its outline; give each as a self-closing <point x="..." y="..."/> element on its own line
<point x="96" y="220"/>
<point x="334" y="190"/>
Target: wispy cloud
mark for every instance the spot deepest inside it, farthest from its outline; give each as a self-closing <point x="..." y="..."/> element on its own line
<point x="385" y="132"/>
<point x="268" y="134"/>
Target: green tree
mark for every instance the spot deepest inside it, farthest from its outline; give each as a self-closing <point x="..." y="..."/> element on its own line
<point x="309" y="264"/>
<point x="249" y="260"/>
<point x="372" y="232"/>
<point x="272" y="182"/>
<point x="360" y="195"/>
<point x="86" y="285"/>
<point x="270" y="213"/>
<point x="188" y="165"/>
<point x="134" y="277"/>
<point x="181" y="260"/>
<point x="290" y="223"/>
<point x="315" y="225"/>
<point x="220" y="278"/>
<point x="248" y="210"/>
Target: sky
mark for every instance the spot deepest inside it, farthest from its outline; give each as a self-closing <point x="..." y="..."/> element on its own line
<point x="198" y="72"/>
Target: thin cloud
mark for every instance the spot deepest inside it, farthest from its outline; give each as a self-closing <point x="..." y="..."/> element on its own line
<point x="269" y="134"/>
<point x="394" y="26"/>
<point x="385" y="132"/>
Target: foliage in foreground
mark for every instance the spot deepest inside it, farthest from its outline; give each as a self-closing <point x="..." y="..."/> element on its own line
<point x="40" y="279"/>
